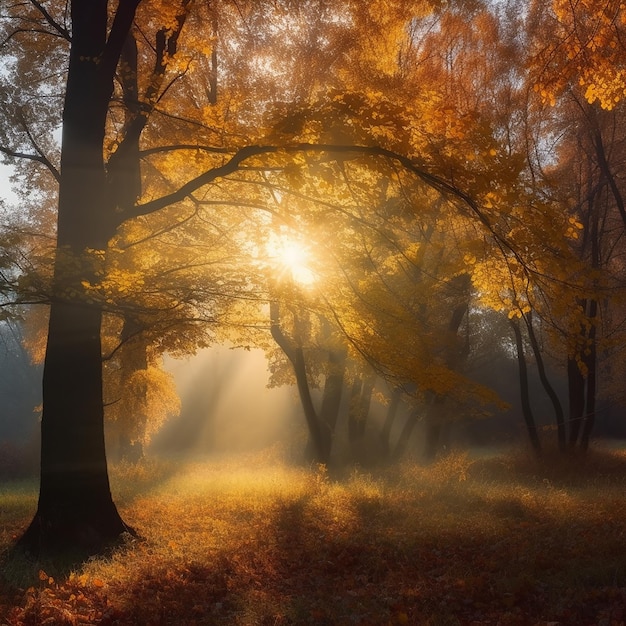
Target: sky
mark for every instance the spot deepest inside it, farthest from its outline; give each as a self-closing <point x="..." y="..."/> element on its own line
<point x="5" y="188"/>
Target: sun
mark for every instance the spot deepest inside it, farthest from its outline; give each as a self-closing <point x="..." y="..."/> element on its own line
<point x="291" y="259"/>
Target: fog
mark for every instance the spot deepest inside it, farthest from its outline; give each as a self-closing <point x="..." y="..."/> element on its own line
<point x="20" y="388"/>
<point x="227" y="408"/>
<point x="226" y="405"/>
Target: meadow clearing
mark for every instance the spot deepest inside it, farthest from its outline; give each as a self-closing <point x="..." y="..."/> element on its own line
<point x="254" y="540"/>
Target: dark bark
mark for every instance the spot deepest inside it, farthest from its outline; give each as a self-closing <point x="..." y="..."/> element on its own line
<point x="319" y="431"/>
<point x="333" y="388"/>
<point x="527" y="412"/>
<point x="576" y="393"/>
<point x="547" y="386"/>
<point x="75" y="510"/>
<point x="591" y="363"/>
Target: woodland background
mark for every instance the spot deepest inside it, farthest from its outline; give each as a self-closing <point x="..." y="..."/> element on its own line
<point x="410" y="214"/>
<point x="450" y="175"/>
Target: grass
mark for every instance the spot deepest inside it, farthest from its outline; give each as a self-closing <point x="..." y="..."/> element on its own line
<point x="498" y="540"/>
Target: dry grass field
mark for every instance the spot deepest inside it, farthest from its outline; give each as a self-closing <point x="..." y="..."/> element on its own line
<point x="253" y="540"/>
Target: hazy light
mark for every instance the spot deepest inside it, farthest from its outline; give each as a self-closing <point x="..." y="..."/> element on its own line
<point x="227" y="405"/>
<point x="292" y="259"/>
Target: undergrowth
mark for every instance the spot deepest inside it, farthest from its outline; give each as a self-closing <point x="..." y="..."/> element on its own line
<point x="470" y="541"/>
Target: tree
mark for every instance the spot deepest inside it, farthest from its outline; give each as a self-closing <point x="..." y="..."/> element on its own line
<point x="75" y="501"/>
<point x="75" y="504"/>
<point x="577" y="66"/>
<point x="393" y="157"/>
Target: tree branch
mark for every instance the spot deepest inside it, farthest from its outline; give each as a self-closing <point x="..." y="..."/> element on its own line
<point x="37" y="31"/>
<point x="120" y="28"/>
<point x="63" y="32"/>
<point x="243" y="154"/>
<point x="39" y="158"/>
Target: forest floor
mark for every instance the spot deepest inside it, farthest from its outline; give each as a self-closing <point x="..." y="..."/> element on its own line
<point x="253" y="541"/>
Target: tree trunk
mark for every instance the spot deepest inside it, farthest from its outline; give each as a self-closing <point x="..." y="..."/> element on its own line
<point x="75" y="511"/>
<point x="390" y="418"/>
<point x="355" y="422"/>
<point x="319" y="432"/>
<point x="527" y="412"/>
<point x="591" y="363"/>
<point x="333" y="388"/>
<point x="358" y="412"/>
<point x="543" y="377"/>
<point x="576" y="392"/>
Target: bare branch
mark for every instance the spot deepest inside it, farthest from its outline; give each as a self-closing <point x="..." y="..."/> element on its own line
<point x="63" y="32"/>
<point x="37" y="31"/>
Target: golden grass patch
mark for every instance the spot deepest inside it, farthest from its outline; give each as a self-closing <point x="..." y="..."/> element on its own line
<point x="252" y="540"/>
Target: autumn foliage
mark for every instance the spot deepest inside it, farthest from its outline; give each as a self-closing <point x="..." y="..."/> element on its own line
<point x="452" y="171"/>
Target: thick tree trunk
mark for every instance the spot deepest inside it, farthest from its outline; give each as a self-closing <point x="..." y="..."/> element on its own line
<point x="75" y="508"/>
<point x="75" y="511"/>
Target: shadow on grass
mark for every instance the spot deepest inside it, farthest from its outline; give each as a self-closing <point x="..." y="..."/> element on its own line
<point x="572" y="468"/>
<point x="367" y="551"/>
